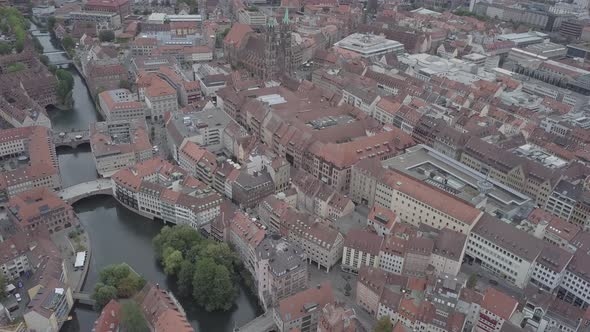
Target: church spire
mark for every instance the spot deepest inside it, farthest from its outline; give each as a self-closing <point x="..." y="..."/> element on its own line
<point x="286" y="20"/>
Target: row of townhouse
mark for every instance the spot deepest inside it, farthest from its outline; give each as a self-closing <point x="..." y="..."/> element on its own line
<point x="320" y="239"/>
<point x="34" y="144"/>
<point x="157" y="189"/>
<point x="406" y="251"/>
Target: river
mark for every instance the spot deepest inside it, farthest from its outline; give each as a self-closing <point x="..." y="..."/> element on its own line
<point x="118" y="235"/>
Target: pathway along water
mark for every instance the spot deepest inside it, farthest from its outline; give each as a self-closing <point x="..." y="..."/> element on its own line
<point x="118" y="235"/>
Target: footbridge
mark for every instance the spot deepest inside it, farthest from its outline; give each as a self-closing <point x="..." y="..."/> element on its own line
<point x="84" y="298"/>
<point x="79" y="191"/>
<point x="72" y="138"/>
<point x="262" y="323"/>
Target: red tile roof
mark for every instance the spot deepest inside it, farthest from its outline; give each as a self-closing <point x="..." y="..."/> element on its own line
<point x="499" y="303"/>
<point x="109" y="318"/>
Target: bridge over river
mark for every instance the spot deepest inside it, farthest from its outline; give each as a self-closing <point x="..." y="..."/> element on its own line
<point x="79" y="191"/>
<point x="72" y="138"/>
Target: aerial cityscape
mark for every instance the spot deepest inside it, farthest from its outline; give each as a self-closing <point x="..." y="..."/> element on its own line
<point x="294" y="166"/>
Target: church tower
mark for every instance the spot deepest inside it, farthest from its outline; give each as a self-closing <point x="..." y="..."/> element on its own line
<point x="285" y="55"/>
<point x="271" y="48"/>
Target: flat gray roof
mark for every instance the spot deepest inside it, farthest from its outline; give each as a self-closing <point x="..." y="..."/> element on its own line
<point x="436" y="169"/>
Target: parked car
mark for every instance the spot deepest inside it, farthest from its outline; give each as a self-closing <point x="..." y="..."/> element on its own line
<point x="18" y="298"/>
<point x="493" y="282"/>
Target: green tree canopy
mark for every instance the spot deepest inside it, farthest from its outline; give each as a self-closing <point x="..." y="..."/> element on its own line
<point x="132" y="319"/>
<point x="51" y="22"/>
<point x="18" y="66"/>
<point x="68" y="43"/>
<point x="181" y="238"/>
<point x="203" y="268"/>
<point x="106" y="35"/>
<point x="472" y="281"/>
<point x="121" y="278"/>
<point x="383" y="325"/>
<point x="213" y="287"/>
<point x="103" y="294"/>
<point x="3" y="285"/>
<point x="172" y="261"/>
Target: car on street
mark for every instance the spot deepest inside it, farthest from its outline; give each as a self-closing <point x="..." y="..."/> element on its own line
<point x="17" y="296"/>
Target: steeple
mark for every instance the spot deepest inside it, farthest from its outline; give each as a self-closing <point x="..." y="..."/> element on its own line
<point x="271" y="23"/>
<point x="286" y="17"/>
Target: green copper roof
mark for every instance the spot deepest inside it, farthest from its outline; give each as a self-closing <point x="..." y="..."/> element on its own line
<point x="286" y="17"/>
<point x="272" y="22"/>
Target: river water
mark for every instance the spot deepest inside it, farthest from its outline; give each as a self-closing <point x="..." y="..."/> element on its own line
<point x="118" y="235"/>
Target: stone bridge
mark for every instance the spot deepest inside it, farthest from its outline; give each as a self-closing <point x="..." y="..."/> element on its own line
<point x="79" y="191"/>
<point x="83" y="298"/>
<point x="263" y="323"/>
<point x="68" y="138"/>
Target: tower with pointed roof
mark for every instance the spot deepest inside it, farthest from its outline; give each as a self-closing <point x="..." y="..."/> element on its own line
<point x="271" y="48"/>
<point x="285" y="45"/>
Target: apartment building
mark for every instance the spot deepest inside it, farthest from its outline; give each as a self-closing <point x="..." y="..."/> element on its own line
<point x="161" y="310"/>
<point x="518" y="173"/>
<point x="576" y="281"/>
<point x="143" y="46"/>
<point x="160" y="98"/>
<point x="281" y="270"/>
<point x="320" y="240"/>
<point x="252" y="17"/>
<point x="119" y="144"/>
<point x="382" y="220"/>
<point x="361" y="248"/>
<point x="157" y="189"/>
<point x="197" y="161"/>
<point x="302" y="310"/>
<point x="496" y="309"/>
<point x="503" y="250"/>
<point x="119" y="105"/>
<point x="40" y="207"/>
<point x="205" y="128"/>
<point x="246" y="235"/>
<point x="32" y="144"/>
<point x="314" y="196"/>
<point x="113" y="20"/>
<point x="570" y="202"/>
<point x="549" y="268"/>
<point x="414" y="201"/>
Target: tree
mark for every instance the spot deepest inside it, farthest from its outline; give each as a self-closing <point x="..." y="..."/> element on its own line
<point x="65" y="85"/>
<point x="103" y="294"/>
<point x="347" y="289"/>
<point x="44" y="59"/>
<point x="172" y="261"/>
<point x="124" y="84"/>
<point x="125" y="281"/>
<point x="68" y="43"/>
<point x="181" y="238"/>
<point x="37" y="45"/>
<point x="212" y="285"/>
<point x="51" y="22"/>
<point x="472" y="281"/>
<point x="132" y="319"/>
<point x="17" y="66"/>
<point x="106" y="35"/>
<point x="221" y="253"/>
<point x="5" y="48"/>
<point x="3" y="284"/>
<point x="185" y="277"/>
<point x="383" y="325"/>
